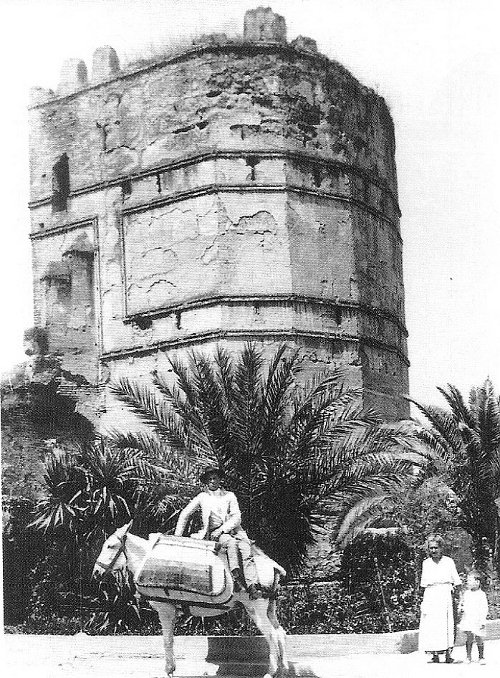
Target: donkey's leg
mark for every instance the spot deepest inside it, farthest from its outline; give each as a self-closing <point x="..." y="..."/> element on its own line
<point x="280" y="632"/>
<point x="257" y="610"/>
<point x="166" y="613"/>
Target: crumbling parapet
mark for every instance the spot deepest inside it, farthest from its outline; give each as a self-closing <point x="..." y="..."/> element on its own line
<point x="40" y="95"/>
<point x="304" y="43"/>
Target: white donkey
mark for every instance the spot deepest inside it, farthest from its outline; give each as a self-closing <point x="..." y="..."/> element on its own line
<point x="123" y="550"/>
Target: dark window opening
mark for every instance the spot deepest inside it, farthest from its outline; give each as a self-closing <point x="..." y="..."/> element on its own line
<point x="338" y="315"/>
<point x="60" y="184"/>
<point x="178" y="320"/>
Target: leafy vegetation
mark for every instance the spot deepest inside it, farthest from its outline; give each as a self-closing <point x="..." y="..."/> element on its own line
<point x="465" y="442"/>
<point x="294" y="455"/>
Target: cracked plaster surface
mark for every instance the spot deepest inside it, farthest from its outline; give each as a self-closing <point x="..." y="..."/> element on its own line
<point x="233" y="245"/>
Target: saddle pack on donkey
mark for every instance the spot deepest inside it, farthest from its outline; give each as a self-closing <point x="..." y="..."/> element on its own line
<point x="183" y="569"/>
<point x="180" y="569"/>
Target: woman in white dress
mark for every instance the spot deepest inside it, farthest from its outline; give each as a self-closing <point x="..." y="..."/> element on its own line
<point x="437" y="624"/>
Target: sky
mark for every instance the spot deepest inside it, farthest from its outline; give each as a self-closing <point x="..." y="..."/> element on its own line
<point x="436" y="63"/>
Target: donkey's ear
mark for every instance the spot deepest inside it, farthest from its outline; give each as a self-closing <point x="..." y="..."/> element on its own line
<point x="123" y="529"/>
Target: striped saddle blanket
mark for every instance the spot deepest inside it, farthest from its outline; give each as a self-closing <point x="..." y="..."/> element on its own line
<point x="181" y="569"/>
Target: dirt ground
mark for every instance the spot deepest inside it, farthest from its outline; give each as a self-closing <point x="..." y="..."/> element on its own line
<point x="142" y="657"/>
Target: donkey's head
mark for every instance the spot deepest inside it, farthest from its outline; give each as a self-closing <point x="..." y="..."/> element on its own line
<point x="112" y="556"/>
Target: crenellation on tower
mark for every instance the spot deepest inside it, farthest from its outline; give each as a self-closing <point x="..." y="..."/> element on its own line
<point x="73" y="76"/>
<point x="239" y="190"/>
<point x="263" y="25"/>
<point x="105" y="64"/>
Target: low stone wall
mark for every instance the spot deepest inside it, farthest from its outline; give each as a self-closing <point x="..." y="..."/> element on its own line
<point x="235" y="649"/>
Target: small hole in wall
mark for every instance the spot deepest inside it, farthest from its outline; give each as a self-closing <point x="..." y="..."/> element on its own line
<point x="126" y="187"/>
<point x="317" y="178"/>
<point x="178" y="320"/>
<point x="143" y="323"/>
<point x="252" y="162"/>
<point x="41" y="225"/>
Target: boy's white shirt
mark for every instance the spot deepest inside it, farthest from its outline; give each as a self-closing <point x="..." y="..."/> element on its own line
<point x="219" y="509"/>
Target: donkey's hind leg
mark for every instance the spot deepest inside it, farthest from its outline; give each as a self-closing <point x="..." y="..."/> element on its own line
<point x="257" y="610"/>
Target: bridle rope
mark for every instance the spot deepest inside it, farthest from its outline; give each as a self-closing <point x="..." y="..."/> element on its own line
<point x="121" y="549"/>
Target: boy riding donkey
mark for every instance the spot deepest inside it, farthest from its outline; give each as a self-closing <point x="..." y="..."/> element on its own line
<point x="221" y="518"/>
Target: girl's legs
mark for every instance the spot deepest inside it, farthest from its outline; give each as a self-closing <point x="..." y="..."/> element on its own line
<point x="480" y="647"/>
<point x="469" y="639"/>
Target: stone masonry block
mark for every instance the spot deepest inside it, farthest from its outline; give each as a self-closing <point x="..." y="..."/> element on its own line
<point x="263" y="25"/>
<point x="73" y="76"/>
<point x="105" y="64"/>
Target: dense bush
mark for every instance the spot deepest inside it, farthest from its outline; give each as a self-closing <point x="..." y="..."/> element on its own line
<point x="22" y="549"/>
<point x="302" y="609"/>
<point x="329" y="608"/>
<point x="382" y="572"/>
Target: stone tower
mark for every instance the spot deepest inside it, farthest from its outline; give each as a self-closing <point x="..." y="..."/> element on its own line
<point x="238" y="189"/>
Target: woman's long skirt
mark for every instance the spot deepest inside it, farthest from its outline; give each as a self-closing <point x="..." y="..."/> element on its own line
<point x="437" y="624"/>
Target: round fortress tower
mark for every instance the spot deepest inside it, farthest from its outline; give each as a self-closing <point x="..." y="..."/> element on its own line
<point x="239" y="189"/>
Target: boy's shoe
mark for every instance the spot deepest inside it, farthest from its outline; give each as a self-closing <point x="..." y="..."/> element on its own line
<point x="254" y="592"/>
<point x="435" y="659"/>
<point x="482" y="661"/>
<point x="237" y="580"/>
<point x="468" y="660"/>
<point x="449" y="660"/>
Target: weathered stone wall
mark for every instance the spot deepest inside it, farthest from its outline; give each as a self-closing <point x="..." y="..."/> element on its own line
<point x="240" y="189"/>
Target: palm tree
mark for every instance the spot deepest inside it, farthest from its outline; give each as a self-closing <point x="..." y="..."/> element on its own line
<point x="89" y="491"/>
<point x="465" y="442"/>
<point x="290" y="453"/>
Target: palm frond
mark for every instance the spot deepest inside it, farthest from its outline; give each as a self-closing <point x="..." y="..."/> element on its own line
<point x="457" y="404"/>
<point x="357" y="518"/>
